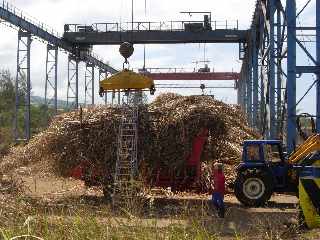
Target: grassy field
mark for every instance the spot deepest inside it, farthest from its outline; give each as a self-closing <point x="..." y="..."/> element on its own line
<point x="173" y="217"/>
<point x="49" y="207"/>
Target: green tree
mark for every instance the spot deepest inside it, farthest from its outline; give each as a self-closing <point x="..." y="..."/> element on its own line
<point x="7" y="104"/>
<point x="40" y="114"/>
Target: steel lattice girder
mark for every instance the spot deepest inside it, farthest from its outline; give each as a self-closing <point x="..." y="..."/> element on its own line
<point x="23" y="87"/>
<point x="276" y="96"/>
<point x="51" y="76"/>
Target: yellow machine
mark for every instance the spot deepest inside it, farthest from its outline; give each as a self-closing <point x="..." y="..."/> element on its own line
<point x="307" y="156"/>
<point x="309" y="196"/>
<point x="127" y="80"/>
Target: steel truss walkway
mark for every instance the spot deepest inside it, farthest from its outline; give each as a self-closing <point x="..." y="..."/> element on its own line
<point x="153" y="32"/>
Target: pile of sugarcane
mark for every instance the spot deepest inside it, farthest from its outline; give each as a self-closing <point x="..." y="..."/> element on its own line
<point x="166" y="131"/>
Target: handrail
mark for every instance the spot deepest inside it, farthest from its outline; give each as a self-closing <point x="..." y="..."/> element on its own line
<point x="18" y="18"/>
<point x="16" y="11"/>
<point x="149" y="26"/>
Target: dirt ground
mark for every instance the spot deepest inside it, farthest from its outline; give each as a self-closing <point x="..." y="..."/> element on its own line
<point x="59" y="195"/>
<point x="64" y="198"/>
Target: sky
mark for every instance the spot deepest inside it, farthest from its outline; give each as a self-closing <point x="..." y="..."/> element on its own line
<point x="222" y="57"/>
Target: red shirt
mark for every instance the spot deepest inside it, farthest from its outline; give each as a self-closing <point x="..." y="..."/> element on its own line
<point x="219" y="182"/>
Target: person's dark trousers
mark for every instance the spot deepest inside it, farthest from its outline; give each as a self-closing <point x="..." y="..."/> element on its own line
<point x="217" y="200"/>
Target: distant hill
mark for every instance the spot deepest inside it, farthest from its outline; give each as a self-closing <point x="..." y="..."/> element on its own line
<point x="36" y="100"/>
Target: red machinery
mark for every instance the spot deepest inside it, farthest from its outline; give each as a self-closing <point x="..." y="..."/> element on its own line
<point x="183" y="179"/>
<point x="163" y="176"/>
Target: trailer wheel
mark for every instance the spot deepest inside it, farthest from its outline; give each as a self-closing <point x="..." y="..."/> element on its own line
<point x="253" y="188"/>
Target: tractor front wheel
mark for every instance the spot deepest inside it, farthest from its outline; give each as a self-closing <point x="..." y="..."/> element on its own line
<point x="253" y="187"/>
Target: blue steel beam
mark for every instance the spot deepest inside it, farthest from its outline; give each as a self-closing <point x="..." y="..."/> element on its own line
<point x="291" y="73"/>
<point x="243" y="89"/>
<point x="244" y="94"/>
<point x="50" y="95"/>
<point x="262" y="76"/>
<point x="306" y="52"/>
<point x="23" y="87"/>
<point x="318" y="64"/>
<point x="279" y="79"/>
<point x="239" y="95"/>
<point x="262" y="101"/>
<point x="272" y="105"/>
<point x="35" y="30"/>
<point x="73" y="83"/>
<point x="249" y="88"/>
<point x="255" y="77"/>
<point x="307" y="69"/>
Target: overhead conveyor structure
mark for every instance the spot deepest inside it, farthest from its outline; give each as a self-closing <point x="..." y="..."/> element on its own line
<point x="172" y="32"/>
<point x="268" y="50"/>
<point x="266" y="85"/>
<point x="27" y="28"/>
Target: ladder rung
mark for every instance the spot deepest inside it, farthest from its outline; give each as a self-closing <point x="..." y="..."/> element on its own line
<point x="125" y="165"/>
<point x="124" y="168"/>
<point x="126" y="149"/>
<point x="124" y="162"/>
<point x="124" y="155"/>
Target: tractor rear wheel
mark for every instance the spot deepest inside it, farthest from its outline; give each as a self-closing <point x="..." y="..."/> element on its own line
<point x="253" y="187"/>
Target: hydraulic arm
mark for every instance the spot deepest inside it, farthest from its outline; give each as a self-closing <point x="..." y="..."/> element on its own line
<point x="311" y="145"/>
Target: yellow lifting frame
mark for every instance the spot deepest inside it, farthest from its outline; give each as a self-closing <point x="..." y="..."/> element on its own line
<point x="126" y="80"/>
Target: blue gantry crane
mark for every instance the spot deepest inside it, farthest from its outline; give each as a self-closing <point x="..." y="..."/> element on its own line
<point x="268" y="50"/>
<point x="267" y="84"/>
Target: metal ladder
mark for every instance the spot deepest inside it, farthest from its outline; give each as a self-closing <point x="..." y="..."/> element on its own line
<point x="126" y="164"/>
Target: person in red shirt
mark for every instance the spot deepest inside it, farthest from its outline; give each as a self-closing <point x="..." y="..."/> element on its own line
<point x="219" y="189"/>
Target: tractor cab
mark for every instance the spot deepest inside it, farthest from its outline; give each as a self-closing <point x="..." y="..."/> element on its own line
<point x="267" y="154"/>
<point x="262" y="152"/>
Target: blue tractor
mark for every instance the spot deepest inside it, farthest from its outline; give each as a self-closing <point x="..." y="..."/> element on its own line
<point x="263" y="171"/>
